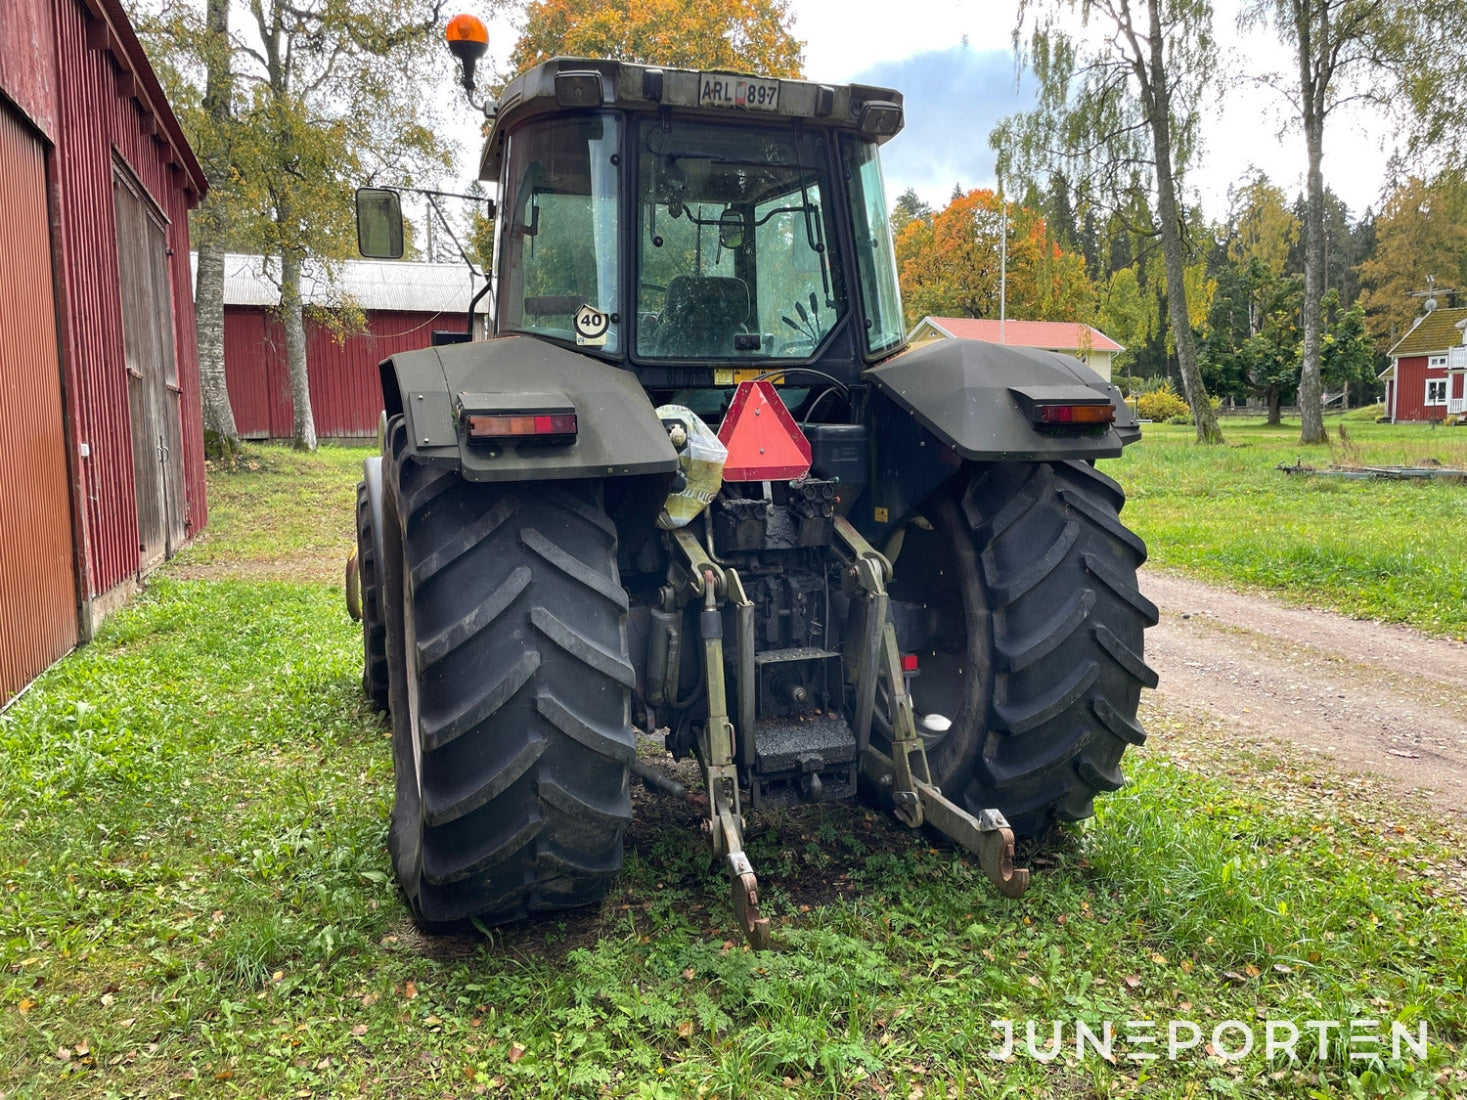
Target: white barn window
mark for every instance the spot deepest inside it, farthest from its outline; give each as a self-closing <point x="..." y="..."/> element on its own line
<point x="1436" y="391"/>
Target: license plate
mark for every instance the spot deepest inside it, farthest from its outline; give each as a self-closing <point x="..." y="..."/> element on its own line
<point x="722" y="90"/>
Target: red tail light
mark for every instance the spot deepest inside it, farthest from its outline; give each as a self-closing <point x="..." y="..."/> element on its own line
<point x="1087" y="415"/>
<point x="511" y="426"/>
<point x="909" y="662"/>
<point x="517" y="417"/>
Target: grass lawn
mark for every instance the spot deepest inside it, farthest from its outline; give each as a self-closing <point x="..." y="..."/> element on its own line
<point x="1390" y="550"/>
<point x="195" y="899"/>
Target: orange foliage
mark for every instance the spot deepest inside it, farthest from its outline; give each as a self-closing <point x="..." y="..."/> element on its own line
<point x="741" y="35"/>
<point x="949" y="265"/>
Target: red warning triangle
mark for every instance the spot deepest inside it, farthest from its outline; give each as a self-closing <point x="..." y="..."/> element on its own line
<point x="764" y="442"/>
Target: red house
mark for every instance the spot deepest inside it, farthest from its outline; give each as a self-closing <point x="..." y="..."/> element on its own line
<point x="1427" y="378"/>
<point x="403" y="304"/>
<point x="101" y="440"/>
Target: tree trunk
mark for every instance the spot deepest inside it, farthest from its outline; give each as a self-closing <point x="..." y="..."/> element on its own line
<point x="209" y="326"/>
<point x="209" y="232"/>
<point x="1275" y="416"/>
<point x="295" y="348"/>
<point x="1311" y="413"/>
<point x="1168" y="214"/>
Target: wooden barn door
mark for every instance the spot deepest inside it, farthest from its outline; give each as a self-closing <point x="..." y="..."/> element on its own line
<point x="38" y="594"/>
<point x="152" y="371"/>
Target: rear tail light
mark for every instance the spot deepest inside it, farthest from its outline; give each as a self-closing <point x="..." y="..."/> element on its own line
<point x="511" y="426"/>
<point x="909" y="662"/>
<point x="517" y="417"/>
<point x="1087" y="415"/>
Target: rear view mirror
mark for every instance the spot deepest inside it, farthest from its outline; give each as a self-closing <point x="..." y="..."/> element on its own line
<point x="379" y="223"/>
<point x="731" y="229"/>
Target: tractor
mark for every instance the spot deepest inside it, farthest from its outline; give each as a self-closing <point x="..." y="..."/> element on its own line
<point x="694" y="483"/>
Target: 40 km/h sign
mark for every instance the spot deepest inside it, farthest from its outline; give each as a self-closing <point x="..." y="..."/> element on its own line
<point x="591" y="326"/>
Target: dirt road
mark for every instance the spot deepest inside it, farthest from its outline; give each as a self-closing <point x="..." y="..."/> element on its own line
<point x="1382" y="700"/>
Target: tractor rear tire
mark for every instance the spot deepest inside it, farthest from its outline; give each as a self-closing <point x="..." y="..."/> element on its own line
<point x="1036" y="661"/>
<point x="374" y="628"/>
<point x="510" y="684"/>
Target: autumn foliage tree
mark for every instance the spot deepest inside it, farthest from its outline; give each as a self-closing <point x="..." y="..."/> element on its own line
<point x="743" y="35"/>
<point x="1421" y="232"/>
<point x="949" y="264"/>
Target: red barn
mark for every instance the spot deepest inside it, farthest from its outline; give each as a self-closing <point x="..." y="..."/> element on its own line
<point x="101" y="443"/>
<point x="1427" y="378"/>
<point x="403" y="303"/>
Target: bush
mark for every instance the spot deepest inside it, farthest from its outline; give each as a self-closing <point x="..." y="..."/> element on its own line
<point x="1161" y="404"/>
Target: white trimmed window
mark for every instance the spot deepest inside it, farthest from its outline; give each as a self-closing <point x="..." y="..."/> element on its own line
<point x="1436" y="391"/>
<point x="1436" y="361"/>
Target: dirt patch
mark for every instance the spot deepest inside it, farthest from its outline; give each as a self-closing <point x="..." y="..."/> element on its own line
<point x="1366" y="697"/>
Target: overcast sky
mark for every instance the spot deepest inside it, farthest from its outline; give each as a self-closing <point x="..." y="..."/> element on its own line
<point x="953" y="62"/>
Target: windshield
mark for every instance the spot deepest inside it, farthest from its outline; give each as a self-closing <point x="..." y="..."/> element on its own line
<point x="558" y="234"/>
<point x="735" y="253"/>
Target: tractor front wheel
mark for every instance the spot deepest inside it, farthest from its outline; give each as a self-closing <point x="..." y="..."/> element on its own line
<point x="1028" y="688"/>
<point x="510" y="691"/>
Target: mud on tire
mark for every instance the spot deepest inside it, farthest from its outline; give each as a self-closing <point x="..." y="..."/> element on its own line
<point x="1041" y="671"/>
<point x="510" y="686"/>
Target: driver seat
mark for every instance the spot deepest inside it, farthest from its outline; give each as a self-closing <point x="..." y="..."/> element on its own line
<point x="701" y="316"/>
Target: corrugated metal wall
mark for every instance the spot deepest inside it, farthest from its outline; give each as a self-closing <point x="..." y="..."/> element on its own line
<point x="96" y="118"/>
<point x="346" y="390"/>
<point x="28" y="60"/>
<point x="38" y="598"/>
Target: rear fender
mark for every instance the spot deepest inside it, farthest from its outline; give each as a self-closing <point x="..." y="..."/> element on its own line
<point x="618" y="432"/>
<point x="974" y="397"/>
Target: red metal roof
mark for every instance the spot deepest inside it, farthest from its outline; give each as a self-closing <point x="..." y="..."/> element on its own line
<point x="1049" y="335"/>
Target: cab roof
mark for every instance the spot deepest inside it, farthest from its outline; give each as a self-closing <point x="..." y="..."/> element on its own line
<point x="576" y="83"/>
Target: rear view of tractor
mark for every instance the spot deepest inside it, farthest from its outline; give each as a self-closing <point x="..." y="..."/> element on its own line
<point x="695" y="484"/>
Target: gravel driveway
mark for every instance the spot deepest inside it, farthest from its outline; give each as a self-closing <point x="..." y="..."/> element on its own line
<point x="1383" y="700"/>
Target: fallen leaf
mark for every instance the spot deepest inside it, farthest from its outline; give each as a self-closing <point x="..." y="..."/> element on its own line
<point x="359" y="1030"/>
<point x="63" y="1053"/>
<point x="1132" y="981"/>
<point x="1234" y="976"/>
<point x="369" y="1000"/>
<point x="685" y="1029"/>
<point x="26" y="1004"/>
<point x="1402" y="755"/>
<point x="277" y="975"/>
<point x="516" y="1052"/>
<point x="324" y="1063"/>
<point x="689" y="974"/>
<point x="1158" y="958"/>
<point x="224" y="1075"/>
<point x="433" y="1021"/>
<point x="1252" y="971"/>
<point x="83" y="1048"/>
<point x="410" y="990"/>
<point x="1282" y="969"/>
<point x="107" y="1000"/>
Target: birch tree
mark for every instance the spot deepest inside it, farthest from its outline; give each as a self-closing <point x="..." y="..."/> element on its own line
<point x="321" y="96"/>
<point x="1120" y="83"/>
<point x="1337" y="45"/>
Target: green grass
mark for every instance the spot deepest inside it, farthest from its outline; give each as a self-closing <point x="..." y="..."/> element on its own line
<point x="195" y="898"/>
<point x="1386" y="550"/>
<point x="196" y="895"/>
<point x="279" y="513"/>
